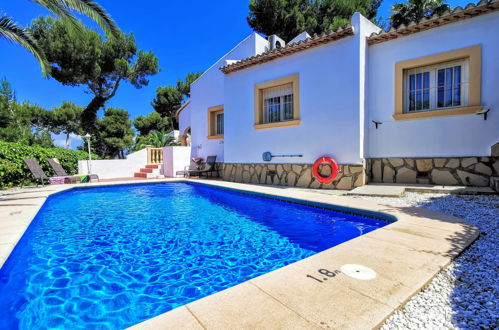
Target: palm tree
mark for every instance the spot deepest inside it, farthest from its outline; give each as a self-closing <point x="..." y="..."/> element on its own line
<point x="157" y="139"/>
<point x="63" y="9"/>
<point x="415" y="10"/>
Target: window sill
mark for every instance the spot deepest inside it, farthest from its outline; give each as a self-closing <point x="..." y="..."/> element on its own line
<point x="438" y="113"/>
<point x="278" y="124"/>
<point x="214" y="137"/>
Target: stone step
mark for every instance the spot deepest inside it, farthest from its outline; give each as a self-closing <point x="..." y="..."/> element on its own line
<point x="148" y="175"/>
<point x="399" y="189"/>
<point x="150" y="171"/>
<point x="379" y="190"/>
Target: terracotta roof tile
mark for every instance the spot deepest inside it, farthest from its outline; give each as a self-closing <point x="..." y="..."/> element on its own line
<point x="289" y="49"/>
<point x="457" y="14"/>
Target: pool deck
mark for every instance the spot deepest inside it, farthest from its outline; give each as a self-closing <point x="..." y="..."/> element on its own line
<point x="405" y="255"/>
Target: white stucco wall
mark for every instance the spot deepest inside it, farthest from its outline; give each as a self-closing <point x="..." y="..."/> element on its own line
<point x="175" y="159"/>
<point x="115" y="168"/>
<point x="184" y="119"/>
<point x="175" y="134"/>
<point x="464" y="135"/>
<point x="330" y="104"/>
<point x="208" y="91"/>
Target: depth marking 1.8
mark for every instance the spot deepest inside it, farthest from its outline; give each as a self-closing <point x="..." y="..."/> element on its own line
<point x="325" y="272"/>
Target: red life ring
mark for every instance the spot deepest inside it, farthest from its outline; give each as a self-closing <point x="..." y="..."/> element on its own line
<point x="334" y="169"/>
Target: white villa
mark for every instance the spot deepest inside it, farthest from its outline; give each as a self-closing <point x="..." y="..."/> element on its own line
<point x="417" y="104"/>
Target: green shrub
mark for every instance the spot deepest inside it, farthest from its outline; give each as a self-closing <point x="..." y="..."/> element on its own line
<point x="14" y="172"/>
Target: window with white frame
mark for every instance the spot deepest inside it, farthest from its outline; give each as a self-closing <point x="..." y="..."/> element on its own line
<point x="436" y="87"/>
<point x="219" y="123"/>
<point x="278" y="104"/>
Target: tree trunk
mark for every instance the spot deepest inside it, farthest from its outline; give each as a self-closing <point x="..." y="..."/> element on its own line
<point x="89" y="115"/>
<point x="67" y="140"/>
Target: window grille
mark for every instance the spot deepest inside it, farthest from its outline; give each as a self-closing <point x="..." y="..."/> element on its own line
<point x="220" y="123"/>
<point x="278" y="103"/>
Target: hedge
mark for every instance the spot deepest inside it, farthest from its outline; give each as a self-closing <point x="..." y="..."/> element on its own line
<point x="14" y="172"/>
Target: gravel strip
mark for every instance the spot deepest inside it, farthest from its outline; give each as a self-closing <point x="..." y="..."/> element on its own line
<point x="464" y="295"/>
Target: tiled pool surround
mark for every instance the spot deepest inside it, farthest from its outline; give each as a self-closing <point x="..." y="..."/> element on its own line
<point x="405" y="255"/>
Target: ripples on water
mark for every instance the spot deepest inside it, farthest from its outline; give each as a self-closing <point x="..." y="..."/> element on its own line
<point x="111" y="257"/>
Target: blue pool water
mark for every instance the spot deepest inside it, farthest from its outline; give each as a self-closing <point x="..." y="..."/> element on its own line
<point x="110" y="257"/>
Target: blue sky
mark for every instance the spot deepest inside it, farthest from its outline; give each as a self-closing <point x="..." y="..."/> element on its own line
<point x="186" y="36"/>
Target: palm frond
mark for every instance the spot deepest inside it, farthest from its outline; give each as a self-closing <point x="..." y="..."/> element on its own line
<point x="64" y="8"/>
<point x="13" y="32"/>
<point x="61" y="11"/>
<point x="96" y="12"/>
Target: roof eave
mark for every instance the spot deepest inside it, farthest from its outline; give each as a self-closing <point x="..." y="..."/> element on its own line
<point x="182" y="108"/>
<point x="458" y="14"/>
<point x="290" y="49"/>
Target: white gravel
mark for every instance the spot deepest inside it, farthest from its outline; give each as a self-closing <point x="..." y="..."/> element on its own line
<point x="465" y="295"/>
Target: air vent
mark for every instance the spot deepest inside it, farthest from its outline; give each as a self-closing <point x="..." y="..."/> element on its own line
<point x="275" y="42"/>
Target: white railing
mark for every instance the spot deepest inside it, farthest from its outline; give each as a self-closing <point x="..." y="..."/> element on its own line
<point x="154" y="155"/>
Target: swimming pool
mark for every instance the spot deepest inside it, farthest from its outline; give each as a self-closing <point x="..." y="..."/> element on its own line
<point x="110" y="257"/>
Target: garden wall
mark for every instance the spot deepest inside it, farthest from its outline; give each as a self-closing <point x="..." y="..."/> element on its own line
<point x="451" y="171"/>
<point x="115" y="168"/>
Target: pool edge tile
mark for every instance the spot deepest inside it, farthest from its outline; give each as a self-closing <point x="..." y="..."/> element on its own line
<point x="245" y="306"/>
<point x="178" y="318"/>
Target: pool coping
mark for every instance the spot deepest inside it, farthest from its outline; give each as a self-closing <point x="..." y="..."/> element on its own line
<point x="405" y="254"/>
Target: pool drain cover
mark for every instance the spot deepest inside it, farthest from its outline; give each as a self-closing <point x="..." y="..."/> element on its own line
<point x="358" y="272"/>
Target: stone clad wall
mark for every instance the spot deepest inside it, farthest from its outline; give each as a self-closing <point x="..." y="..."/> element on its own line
<point x="294" y="175"/>
<point x="460" y="171"/>
<point x="220" y="168"/>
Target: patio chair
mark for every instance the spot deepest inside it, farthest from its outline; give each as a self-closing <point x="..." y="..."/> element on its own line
<point x="59" y="170"/>
<point x="209" y="167"/>
<point x="38" y="173"/>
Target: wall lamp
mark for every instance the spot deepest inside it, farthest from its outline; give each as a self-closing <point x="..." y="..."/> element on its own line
<point x="376" y="123"/>
<point x="483" y="113"/>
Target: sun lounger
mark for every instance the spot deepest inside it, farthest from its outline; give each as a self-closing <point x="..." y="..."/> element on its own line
<point x="59" y="170"/>
<point x="192" y="167"/>
<point x="208" y="168"/>
<point x="38" y="173"/>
